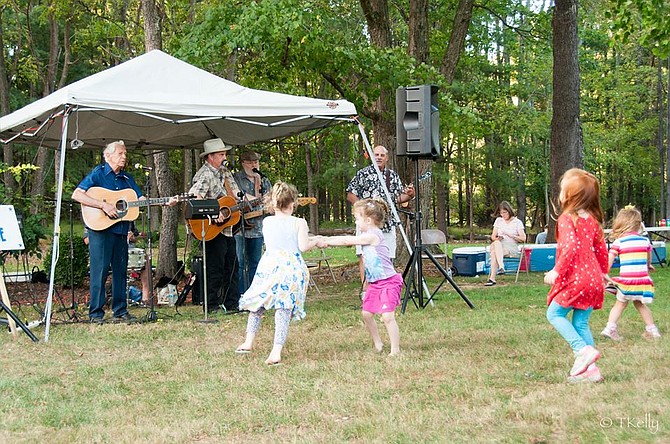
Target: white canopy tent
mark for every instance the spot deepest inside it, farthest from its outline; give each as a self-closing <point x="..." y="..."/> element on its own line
<point x="158" y="101"/>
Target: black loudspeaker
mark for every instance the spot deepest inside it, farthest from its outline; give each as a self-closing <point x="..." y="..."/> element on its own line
<point x="417" y="121"/>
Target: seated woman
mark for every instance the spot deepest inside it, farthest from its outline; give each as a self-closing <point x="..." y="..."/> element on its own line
<point x="508" y="231"/>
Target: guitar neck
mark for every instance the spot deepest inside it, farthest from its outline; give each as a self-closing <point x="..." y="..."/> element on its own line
<point x="147" y="202"/>
<point x="246" y="205"/>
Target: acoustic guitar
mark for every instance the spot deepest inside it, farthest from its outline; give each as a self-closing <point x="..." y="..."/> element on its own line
<point x="126" y="204"/>
<point x="229" y="209"/>
<point x="232" y="211"/>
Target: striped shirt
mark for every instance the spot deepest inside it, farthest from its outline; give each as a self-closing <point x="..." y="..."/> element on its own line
<point x="633" y="281"/>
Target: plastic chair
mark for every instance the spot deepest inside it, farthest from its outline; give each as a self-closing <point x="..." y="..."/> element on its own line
<point x="439" y="240"/>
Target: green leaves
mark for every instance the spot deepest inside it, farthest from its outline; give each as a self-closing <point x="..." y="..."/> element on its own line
<point x="647" y="21"/>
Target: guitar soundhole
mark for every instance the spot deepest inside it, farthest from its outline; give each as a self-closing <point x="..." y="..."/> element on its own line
<point x="121" y="206"/>
<point x="225" y="212"/>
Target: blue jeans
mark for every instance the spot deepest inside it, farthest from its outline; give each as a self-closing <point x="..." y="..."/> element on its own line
<point x="107" y="249"/>
<point x="254" y="248"/>
<point x="577" y="333"/>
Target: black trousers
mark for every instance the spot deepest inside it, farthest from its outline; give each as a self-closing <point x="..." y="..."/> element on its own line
<point x="222" y="279"/>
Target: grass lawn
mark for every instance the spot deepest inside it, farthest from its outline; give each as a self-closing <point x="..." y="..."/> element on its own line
<point x="493" y="374"/>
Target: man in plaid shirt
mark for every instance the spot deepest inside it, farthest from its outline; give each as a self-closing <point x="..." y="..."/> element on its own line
<point x="212" y="181"/>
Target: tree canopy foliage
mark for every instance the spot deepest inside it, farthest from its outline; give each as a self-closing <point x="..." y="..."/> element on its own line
<point x="495" y="112"/>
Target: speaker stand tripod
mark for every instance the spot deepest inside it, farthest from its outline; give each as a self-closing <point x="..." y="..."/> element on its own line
<point x="413" y="274"/>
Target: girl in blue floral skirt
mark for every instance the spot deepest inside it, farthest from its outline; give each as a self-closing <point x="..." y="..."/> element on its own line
<point x="282" y="278"/>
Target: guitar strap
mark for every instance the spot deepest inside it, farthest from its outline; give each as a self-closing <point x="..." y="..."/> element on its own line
<point x="229" y="191"/>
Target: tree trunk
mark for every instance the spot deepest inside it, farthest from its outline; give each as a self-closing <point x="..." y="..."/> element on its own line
<point x="441" y="199"/>
<point x="52" y="64"/>
<point x="383" y="124"/>
<point x="417" y="44"/>
<point x="313" y="209"/>
<point x="38" y="187"/>
<point x="170" y="216"/>
<point x="48" y="75"/>
<point x="459" y="32"/>
<point x="66" y="55"/>
<point x="457" y="39"/>
<point x="667" y="148"/>
<point x="567" y="147"/>
<point x="7" y="150"/>
<point x="155" y="211"/>
<point x="152" y="26"/>
<point x="187" y="175"/>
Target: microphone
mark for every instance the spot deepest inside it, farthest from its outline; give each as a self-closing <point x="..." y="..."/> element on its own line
<point x="257" y="171"/>
<point x="139" y="166"/>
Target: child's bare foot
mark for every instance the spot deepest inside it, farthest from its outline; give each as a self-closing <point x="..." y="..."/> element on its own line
<point x="243" y="348"/>
<point x="379" y="346"/>
<point x="273" y="360"/>
<point x="274" y="357"/>
<point x="394" y="353"/>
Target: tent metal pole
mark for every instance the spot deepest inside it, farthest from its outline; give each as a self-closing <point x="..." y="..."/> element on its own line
<point x="391" y="203"/>
<point x="56" y="237"/>
<point x="387" y="194"/>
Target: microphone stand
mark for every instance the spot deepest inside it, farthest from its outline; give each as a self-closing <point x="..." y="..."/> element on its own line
<point x="152" y="315"/>
<point x="73" y="317"/>
<point x="243" y="228"/>
<point x="203" y="284"/>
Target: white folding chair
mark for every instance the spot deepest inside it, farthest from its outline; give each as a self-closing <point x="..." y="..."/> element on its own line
<point x="438" y="239"/>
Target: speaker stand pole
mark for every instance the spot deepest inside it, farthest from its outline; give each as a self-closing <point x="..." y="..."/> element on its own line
<point x="204" y="274"/>
<point x="413" y="273"/>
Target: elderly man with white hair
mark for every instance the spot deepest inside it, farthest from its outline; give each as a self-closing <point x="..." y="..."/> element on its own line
<point x="110" y="245"/>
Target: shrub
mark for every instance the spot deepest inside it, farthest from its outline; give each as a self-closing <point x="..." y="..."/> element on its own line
<point x="79" y="262"/>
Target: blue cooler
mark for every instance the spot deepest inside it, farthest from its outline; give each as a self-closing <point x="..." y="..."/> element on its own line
<point x="469" y="261"/>
<point x="658" y="255"/>
<point x="543" y="257"/>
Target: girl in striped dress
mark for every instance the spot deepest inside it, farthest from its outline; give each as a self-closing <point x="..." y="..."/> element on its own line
<point x="633" y="282"/>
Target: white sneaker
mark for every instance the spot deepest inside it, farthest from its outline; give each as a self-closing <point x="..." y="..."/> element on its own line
<point x="611" y="333"/>
<point x="592" y="374"/>
<point x="653" y="334"/>
<point x="586" y="356"/>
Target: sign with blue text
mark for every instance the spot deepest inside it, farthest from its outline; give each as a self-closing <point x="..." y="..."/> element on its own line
<point x="10" y="234"/>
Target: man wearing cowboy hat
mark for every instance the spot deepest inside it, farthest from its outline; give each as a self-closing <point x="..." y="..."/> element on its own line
<point x="250" y="239"/>
<point x="212" y="181"/>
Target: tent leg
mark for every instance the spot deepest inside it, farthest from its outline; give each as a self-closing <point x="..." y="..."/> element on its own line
<point x="56" y="237"/>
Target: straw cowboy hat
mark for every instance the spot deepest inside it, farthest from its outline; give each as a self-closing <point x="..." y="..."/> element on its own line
<point x="214" y="146"/>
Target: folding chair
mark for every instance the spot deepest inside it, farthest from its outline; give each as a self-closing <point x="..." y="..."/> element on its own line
<point x="316" y="262"/>
<point x="517" y="262"/>
<point x="310" y="267"/>
<point x="523" y="259"/>
<point x="439" y="240"/>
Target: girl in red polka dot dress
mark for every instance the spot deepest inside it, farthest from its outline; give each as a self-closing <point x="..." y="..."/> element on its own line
<point x="578" y="277"/>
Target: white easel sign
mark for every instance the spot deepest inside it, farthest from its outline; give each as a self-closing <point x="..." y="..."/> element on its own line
<point x="10" y="234"/>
